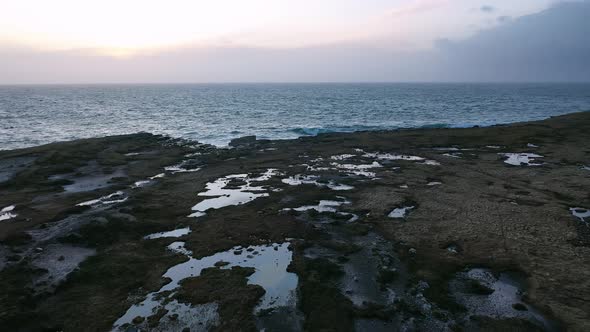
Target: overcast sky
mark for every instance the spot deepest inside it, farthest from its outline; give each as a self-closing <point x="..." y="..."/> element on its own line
<point x="68" y="41"/>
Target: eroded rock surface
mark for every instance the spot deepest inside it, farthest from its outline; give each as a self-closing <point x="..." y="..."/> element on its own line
<point x="425" y="229"/>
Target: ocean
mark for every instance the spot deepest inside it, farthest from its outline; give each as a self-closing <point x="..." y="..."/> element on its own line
<point x="216" y="113"/>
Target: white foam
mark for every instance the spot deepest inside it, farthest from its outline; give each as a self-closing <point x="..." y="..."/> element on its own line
<point x="342" y="156"/>
<point x="313" y="168"/>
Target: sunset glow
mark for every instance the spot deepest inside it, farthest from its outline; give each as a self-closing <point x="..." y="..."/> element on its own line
<point x="125" y="27"/>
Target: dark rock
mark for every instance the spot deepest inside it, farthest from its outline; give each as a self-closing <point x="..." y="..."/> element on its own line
<point x="138" y="320"/>
<point x="242" y="141"/>
<point x="476" y="287"/>
<point x="519" y="307"/>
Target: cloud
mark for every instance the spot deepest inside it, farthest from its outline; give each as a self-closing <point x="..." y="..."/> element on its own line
<point x="487" y="9"/>
<point x="548" y="46"/>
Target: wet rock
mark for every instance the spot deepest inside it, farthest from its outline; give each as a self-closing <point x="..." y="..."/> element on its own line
<point x="122" y="217"/>
<point x="138" y="320"/>
<point x="519" y="307"/>
<point x="13" y="258"/>
<point x="476" y="287"/>
<point x="100" y="220"/>
<point x="239" y="252"/>
<point x="387" y="276"/>
<point x="243" y="141"/>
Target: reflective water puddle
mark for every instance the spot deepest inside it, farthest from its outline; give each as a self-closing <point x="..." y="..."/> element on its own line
<point x="240" y="192"/>
<point x="142" y="183"/>
<point x="174" y="233"/>
<point x="116" y="197"/>
<point x="400" y="213"/>
<point x="521" y="159"/>
<point x="92" y="178"/>
<point x="327" y="206"/>
<point x="453" y="155"/>
<point x="57" y="261"/>
<point x="390" y="156"/>
<point x="269" y="261"/>
<point x="361" y="170"/>
<point x="482" y="293"/>
<point x="182" y="317"/>
<point x="181" y="168"/>
<point x="6" y="213"/>
<point x="581" y="213"/>
<point x="299" y="179"/>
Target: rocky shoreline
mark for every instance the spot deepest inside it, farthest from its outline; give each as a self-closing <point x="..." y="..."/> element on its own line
<point x="477" y="229"/>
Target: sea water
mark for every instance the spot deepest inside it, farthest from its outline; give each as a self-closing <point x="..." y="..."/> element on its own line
<point x="216" y="113"/>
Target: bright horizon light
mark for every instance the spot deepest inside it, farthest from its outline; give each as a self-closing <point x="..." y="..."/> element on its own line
<point x="135" y="24"/>
<point x="125" y="27"/>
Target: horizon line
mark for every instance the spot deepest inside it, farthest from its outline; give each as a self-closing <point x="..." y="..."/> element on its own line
<point x="293" y="82"/>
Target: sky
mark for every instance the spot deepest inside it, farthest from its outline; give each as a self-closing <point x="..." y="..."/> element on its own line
<point x="156" y="41"/>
